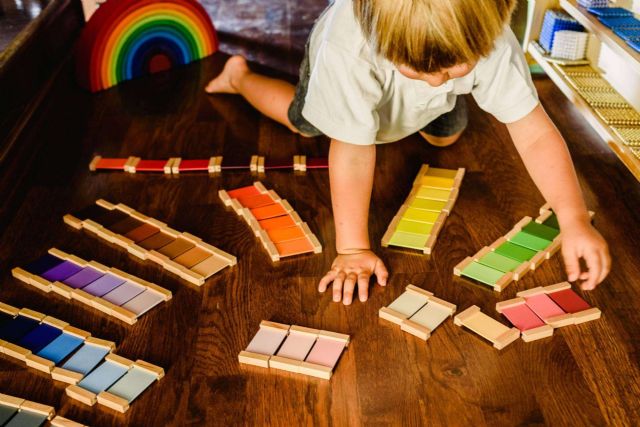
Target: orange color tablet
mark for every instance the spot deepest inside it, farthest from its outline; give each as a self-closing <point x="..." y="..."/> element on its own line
<point x="294" y="247"/>
<point x="279" y="235"/>
<point x="277" y="222"/>
<point x="269" y="211"/>
<point x="243" y="192"/>
<point x="252" y="202"/>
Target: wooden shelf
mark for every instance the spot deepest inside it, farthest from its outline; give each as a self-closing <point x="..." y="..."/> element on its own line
<point x="608" y="37"/>
<point x="613" y="141"/>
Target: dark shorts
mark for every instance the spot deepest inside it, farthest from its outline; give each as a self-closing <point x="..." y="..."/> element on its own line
<point x="446" y="125"/>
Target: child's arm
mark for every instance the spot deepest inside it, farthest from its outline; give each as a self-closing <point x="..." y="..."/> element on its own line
<point x="351" y="169"/>
<point x="547" y="159"/>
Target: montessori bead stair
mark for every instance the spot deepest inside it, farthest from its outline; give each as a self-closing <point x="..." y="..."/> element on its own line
<point x="422" y="216"/>
<point x="72" y="356"/>
<point x="17" y="412"/>
<point x="521" y="250"/>
<point x="295" y="349"/>
<point x="417" y="312"/>
<point x="272" y="220"/>
<point x="109" y="290"/>
<point x="180" y="253"/>
<point x="212" y="165"/>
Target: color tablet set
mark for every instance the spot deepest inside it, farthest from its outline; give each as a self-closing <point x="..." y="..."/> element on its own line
<point x="180" y="253"/>
<point x="417" y="312"/>
<point x="537" y="311"/>
<point x="212" y="165"/>
<point x="420" y="218"/>
<point x="38" y="340"/>
<point x="295" y="349"/>
<point x="115" y="383"/>
<point x="510" y="257"/>
<point x="490" y="329"/>
<point x="109" y="290"/>
<point x="273" y="220"/>
<point x="71" y="355"/>
<point x="16" y="412"/>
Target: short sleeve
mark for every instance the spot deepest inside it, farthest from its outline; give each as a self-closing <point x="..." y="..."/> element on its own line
<point x="503" y="85"/>
<point x="343" y="96"/>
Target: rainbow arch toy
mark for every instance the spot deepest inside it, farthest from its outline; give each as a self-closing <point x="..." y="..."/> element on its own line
<point x="126" y="39"/>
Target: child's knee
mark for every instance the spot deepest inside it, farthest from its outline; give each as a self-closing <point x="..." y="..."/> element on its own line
<point x="441" y="141"/>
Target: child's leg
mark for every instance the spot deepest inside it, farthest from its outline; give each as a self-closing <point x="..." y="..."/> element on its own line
<point x="446" y="129"/>
<point x="272" y="97"/>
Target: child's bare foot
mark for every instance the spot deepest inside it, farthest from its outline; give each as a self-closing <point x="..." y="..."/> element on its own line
<point x="226" y="81"/>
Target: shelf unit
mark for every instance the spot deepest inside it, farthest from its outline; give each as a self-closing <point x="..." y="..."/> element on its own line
<point x="606" y="36"/>
<point x="613" y="141"/>
<point x="628" y="58"/>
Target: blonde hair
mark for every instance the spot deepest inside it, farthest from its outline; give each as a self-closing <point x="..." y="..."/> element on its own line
<point x="428" y="35"/>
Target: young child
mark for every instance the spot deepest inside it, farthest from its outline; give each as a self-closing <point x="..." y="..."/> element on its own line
<point x="377" y="71"/>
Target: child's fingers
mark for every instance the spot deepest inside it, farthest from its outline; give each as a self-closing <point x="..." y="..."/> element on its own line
<point x="381" y="273"/>
<point x="337" y="286"/>
<point x="594" y="264"/>
<point x="572" y="264"/>
<point x="606" y="261"/>
<point x="349" y="287"/>
<point x="363" y="286"/>
<point x="328" y="278"/>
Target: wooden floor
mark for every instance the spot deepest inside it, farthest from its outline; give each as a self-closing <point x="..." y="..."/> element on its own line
<point x="584" y="375"/>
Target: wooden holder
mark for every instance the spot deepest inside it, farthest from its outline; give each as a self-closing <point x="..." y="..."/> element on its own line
<point x="142" y="253"/>
<point x="86" y="298"/>
<point x="529" y="335"/>
<point x="439" y="223"/>
<point x="501" y="339"/>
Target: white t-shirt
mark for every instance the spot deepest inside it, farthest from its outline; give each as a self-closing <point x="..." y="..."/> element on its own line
<point x="356" y="96"/>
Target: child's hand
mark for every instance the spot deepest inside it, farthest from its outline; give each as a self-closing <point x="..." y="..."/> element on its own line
<point x="581" y="240"/>
<point x="347" y="270"/>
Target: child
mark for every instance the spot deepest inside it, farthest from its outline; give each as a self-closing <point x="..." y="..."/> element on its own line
<point x="377" y="71"/>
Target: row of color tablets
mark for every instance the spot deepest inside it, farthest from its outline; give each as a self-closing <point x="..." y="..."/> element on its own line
<point x="212" y="165"/>
<point x="295" y="349"/>
<point x="418" y="312"/>
<point x="536" y="312"/>
<point x="43" y="342"/>
<point x="420" y="218"/>
<point x="273" y="220"/>
<point x="17" y="412"/>
<point x="524" y="248"/>
<point x="180" y="253"/>
<point x="70" y="355"/>
<point x="109" y="290"/>
<point x="115" y="383"/>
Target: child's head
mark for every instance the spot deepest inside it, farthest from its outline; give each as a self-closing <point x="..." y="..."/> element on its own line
<point x="429" y="36"/>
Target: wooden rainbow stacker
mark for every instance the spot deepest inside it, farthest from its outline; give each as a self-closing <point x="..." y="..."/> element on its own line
<point x="212" y="165"/>
<point x="421" y="217"/>
<point x="272" y="220"/>
<point x="180" y="253"/>
<point x="524" y="248"/>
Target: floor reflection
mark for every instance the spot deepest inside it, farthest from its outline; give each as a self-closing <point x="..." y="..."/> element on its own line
<point x="14" y="17"/>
